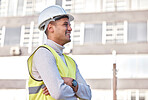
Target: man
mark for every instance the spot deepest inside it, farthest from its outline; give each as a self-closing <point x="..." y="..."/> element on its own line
<point x="53" y="75"/>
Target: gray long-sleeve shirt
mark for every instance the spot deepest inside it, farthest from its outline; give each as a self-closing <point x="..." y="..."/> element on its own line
<point x="44" y="68"/>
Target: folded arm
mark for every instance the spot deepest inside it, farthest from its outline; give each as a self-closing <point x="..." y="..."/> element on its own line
<point x="84" y="91"/>
<point x="45" y="64"/>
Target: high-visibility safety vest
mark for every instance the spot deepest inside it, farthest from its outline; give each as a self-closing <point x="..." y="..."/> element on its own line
<point x="35" y="86"/>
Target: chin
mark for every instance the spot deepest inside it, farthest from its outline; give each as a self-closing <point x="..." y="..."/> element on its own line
<point x="68" y="41"/>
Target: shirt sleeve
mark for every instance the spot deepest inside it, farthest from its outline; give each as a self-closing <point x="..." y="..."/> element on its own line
<point x="84" y="91"/>
<point x="45" y="64"/>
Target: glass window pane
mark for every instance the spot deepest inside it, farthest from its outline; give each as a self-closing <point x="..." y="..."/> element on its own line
<point x="12" y="7"/>
<point x="20" y="7"/>
<point x="12" y="36"/>
<point x="137" y="32"/>
<point x="143" y="4"/>
<point x="93" y="33"/>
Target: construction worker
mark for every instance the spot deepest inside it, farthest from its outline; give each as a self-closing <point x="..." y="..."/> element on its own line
<point x="54" y="75"/>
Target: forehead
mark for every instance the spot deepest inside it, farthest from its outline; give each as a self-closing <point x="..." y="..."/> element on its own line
<point x="62" y="20"/>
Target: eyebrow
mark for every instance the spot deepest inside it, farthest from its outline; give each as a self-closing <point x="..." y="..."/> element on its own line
<point x="66" y="22"/>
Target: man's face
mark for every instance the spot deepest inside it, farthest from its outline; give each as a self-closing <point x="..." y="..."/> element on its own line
<point x="62" y="31"/>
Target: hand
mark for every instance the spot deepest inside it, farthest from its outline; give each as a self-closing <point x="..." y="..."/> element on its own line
<point x="68" y="81"/>
<point x="45" y="91"/>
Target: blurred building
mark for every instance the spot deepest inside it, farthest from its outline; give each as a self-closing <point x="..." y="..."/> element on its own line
<point x="100" y="26"/>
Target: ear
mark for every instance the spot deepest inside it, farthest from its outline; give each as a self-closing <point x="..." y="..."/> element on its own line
<point x="50" y="28"/>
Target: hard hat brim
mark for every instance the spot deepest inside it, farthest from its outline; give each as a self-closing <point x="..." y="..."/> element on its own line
<point x="71" y="18"/>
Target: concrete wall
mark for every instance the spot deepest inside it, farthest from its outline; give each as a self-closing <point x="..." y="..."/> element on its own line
<point x="131" y="16"/>
<point x="93" y="49"/>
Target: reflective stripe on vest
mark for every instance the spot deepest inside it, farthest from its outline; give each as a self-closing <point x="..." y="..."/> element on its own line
<point x="35" y="86"/>
<point x="36" y="89"/>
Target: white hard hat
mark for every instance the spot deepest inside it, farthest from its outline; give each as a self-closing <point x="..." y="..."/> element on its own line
<point x="49" y="14"/>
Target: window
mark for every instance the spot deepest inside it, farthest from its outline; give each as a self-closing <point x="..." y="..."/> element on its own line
<point x="67" y="5"/>
<point x="137" y="32"/>
<point x="3" y="7"/>
<point x="29" y="7"/>
<point x="112" y="5"/>
<point x="139" y="4"/>
<point x="76" y="34"/>
<point x="2" y="36"/>
<point x="12" y="7"/>
<point x="12" y="36"/>
<point x="20" y="7"/>
<point x="30" y="36"/>
<point x="114" y="32"/>
<point x="93" y="33"/>
<point x="59" y="2"/>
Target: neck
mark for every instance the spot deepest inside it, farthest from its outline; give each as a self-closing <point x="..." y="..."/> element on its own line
<point x="56" y="41"/>
<point x="58" y="48"/>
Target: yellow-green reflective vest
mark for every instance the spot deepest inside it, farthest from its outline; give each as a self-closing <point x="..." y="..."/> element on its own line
<point x="35" y="86"/>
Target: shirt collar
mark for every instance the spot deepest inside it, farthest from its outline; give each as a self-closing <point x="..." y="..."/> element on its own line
<point x="58" y="48"/>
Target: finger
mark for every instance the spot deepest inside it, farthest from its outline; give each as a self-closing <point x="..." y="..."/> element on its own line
<point x="47" y="93"/>
<point x="44" y="91"/>
<point x="44" y="88"/>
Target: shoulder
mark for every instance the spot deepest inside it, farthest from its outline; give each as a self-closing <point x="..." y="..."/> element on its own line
<point x="42" y="52"/>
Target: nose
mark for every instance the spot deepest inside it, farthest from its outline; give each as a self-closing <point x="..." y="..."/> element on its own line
<point x="69" y="27"/>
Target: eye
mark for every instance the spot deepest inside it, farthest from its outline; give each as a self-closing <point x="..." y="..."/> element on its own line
<point x="66" y="24"/>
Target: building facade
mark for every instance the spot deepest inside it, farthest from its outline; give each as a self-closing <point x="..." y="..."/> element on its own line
<point x="100" y="26"/>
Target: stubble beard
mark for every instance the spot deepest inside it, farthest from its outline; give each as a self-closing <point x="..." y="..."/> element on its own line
<point x="66" y="33"/>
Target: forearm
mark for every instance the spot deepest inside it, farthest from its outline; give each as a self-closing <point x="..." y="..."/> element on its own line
<point x="84" y="91"/>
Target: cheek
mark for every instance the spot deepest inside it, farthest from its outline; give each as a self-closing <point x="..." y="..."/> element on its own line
<point x="61" y="30"/>
<point x="61" y="33"/>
